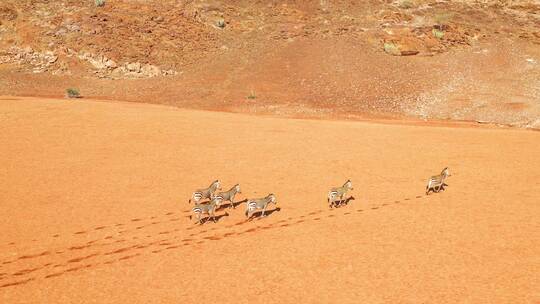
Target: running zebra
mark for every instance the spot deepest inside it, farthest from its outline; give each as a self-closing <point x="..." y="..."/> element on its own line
<point x="229" y="195"/>
<point x="259" y="204"/>
<point x="337" y="194"/>
<point x="436" y="182"/>
<point x="209" y="209"/>
<point x="208" y="193"/>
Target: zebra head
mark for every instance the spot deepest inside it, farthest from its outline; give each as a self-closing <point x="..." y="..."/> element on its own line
<point x="216" y="185"/>
<point x="237" y="188"/>
<point x="445" y="172"/>
<point x="272" y="198"/>
<point x="348" y="184"/>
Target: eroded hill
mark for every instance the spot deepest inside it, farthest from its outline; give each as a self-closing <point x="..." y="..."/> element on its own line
<point x="462" y="60"/>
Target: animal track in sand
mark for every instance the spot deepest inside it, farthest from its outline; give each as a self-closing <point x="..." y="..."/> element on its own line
<point x="17" y="283"/>
<point x="166" y="243"/>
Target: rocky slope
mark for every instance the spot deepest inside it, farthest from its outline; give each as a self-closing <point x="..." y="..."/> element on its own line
<point x="463" y="60"/>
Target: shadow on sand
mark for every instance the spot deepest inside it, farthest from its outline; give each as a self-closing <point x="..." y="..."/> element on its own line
<point x="258" y="214"/>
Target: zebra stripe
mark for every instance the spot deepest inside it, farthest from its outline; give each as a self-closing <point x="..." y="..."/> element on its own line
<point x="337" y="194"/>
<point x="259" y="204"/>
<point x="205" y="193"/>
<point x="437" y="182"/>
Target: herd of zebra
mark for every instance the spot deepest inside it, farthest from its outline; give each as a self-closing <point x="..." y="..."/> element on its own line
<point x="335" y="197"/>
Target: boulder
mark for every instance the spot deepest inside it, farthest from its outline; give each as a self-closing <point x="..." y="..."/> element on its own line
<point x="134" y="67"/>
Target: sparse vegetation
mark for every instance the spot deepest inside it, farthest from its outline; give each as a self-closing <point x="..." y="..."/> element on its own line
<point x="99" y="3"/>
<point x="437" y="33"/>
<point x="73" y="93"/>
<point x="220" y="23"/>
<point x="251" y="95"/>
<point x="441" y="24"/>
<point x="441" y="19"/>
<point x="405" y="4"/>
<point x="391" y="48"/>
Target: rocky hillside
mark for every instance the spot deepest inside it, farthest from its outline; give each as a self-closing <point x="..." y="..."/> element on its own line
<point x="463" y="60"/>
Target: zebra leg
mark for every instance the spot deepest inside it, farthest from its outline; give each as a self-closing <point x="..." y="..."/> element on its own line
<point x="264" y="209"/>
<point x="429" y="187"/>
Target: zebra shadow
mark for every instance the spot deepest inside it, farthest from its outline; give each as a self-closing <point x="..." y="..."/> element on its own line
<point x="216" y="219"/>
<point x="442" y="189"/>
<point x="234" y="205"/>
<point x="258" y="214"/>
<point x="343" y="203"/>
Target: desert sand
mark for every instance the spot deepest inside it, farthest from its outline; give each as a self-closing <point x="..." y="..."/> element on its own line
<point x="94" y="204"/>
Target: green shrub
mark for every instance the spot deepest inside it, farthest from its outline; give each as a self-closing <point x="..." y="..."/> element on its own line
<point x="220" y="23"/>
<point x="73" y="93"/>
<point x="437" y="33"/>
<point x="391" y="48"/>
<point x="99" y="3"/>
<point x="251" y="95"/>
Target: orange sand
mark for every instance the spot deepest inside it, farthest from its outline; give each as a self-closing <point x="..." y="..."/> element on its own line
<point x="93" y="206"/>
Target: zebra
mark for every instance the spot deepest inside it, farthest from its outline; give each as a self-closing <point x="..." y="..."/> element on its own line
<point x="259" y="204"/>
<point x="229" y="195"/>
<point x="208" y="193"/>
<point x="208" y="208"/>
<point x="436" y="182"/>
<point x="337" y="194"/>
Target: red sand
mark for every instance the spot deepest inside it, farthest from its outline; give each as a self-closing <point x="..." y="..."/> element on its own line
<point x="94" y="209"/>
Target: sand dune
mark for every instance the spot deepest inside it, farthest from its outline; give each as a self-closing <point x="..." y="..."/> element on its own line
<point x="94" y="209"/>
